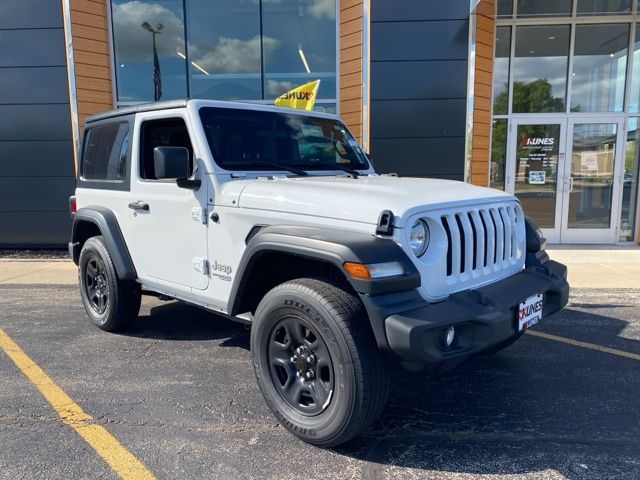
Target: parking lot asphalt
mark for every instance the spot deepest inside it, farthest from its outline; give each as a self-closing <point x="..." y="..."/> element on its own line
<point x="177" y="390"/>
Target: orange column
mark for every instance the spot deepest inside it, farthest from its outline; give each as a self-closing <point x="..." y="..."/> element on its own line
<point x="350" y="40"/>
<point x="482" y="88"/>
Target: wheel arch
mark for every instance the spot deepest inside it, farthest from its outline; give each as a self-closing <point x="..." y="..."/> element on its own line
<point x="93" y="221"/>
<point x="281" y="253"/>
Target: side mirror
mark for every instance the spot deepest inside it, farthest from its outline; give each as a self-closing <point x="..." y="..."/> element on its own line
<point x="171" y="162"/>
<point x="174" y="163"/>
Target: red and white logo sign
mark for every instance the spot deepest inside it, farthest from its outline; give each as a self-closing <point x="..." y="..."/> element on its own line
<point x="537" y="141"/>
<point x="530" y="311"/>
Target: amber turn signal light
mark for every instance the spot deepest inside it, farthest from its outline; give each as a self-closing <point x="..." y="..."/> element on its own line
<point x="357" y="270"/>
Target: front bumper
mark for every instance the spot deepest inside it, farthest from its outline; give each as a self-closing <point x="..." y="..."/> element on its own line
<point x="483" y="317"/>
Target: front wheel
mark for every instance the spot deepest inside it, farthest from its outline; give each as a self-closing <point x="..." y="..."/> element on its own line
<point x="316" y="361"/>
<point x="111" y="303"/>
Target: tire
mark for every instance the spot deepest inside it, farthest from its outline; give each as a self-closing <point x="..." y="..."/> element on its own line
<point x="348" y="390"/>
<point x="111" y="303"/>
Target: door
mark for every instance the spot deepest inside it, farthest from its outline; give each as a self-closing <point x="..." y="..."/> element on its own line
<point x="591" y="180"/>
<point x="535" y="164"/>
<point x="166" y="228"/>
<point x="567" y="175"/>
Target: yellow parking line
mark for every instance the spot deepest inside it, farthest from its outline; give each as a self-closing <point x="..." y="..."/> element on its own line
<point x="578" y="343"/>
<point x="106" y="445"/>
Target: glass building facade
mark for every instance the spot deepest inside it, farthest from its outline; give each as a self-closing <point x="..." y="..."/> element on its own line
<point x="253" y="50"/>
<point x="566" y="88"/>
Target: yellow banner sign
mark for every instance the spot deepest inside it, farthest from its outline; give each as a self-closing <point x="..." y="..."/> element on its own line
<point x="303" y="97"/>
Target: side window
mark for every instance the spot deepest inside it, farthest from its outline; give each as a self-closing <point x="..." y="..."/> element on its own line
<point x="105" y="152"/>
<point x="167" y="132"/>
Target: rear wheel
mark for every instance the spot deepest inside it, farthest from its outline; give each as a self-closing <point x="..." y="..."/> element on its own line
<point x="316" y="361"/>
<point x="111" y="303"/>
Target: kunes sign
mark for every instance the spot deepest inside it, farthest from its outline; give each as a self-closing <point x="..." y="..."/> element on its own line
<point x="537" y="141"/>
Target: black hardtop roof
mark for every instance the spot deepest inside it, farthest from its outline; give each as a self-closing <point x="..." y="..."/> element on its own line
<point x="169" y="104"/>
<point x="143" y="107"/>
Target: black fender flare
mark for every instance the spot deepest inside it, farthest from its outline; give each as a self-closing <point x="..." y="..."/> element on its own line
<point x="107" y="223"/>
<point x="327" y="245"/>
<point x="535" y="244"/>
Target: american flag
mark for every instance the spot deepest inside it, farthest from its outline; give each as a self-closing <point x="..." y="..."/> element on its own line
<point x="157" y="79"/>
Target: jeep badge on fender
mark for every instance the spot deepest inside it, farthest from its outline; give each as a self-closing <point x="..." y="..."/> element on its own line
<point x="275" y="217"/>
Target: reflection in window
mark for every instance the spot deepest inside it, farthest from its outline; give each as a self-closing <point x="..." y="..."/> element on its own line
<point x="305" y="36"/>
<point x="505" y="8"/>
<point x="592" y="171"/>
<point x="245" y="139"/>
<point x="603" y="7"/>
<point x="599" y="68"/>
<point x="630" y="182"/>
<point x="498" y="154"/>
<point x="105" y="152"/>
<point x="501" y="71"/>
<point x="540" y="69"/>
<point x="325" y="107"/>
<point x="224" y="49"/>
<point x="634" y="97"/>
<point x="544" y="8"/>
<point x="133" y="44"/>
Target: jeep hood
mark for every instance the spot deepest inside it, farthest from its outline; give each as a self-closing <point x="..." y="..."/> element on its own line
<point x="361" y="199"/>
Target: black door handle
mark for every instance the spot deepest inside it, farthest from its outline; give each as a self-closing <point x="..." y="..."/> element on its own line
<point x="139" y="205"/>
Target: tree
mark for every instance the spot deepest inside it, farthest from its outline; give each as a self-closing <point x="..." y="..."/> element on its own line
<point x="532" y="97"/>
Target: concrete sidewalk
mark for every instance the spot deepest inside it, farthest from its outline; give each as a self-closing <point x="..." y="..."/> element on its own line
<point x="38" y="272"/>
<point x="589" y="267"/>
<point x="595" y="267"/>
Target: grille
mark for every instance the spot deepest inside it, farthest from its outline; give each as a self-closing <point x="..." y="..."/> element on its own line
<point x="482" y="240"/>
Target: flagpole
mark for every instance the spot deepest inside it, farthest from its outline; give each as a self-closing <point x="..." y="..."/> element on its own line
<point x="156" y="78"/>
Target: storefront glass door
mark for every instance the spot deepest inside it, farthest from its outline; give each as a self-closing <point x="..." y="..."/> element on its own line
<point x="534" y="165"/>
<point x="591" y="182"/>
<point x="567" y="176"/>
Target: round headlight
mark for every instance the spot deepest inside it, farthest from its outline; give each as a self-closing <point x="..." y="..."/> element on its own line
<point x="419" y="237"/>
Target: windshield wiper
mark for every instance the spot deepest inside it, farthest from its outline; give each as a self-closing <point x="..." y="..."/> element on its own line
<point x="279" y="166"/>
<point x="329" y="166"/>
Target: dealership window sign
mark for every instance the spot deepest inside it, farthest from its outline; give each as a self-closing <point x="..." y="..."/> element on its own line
<point x="537" y="155"/>
<point x="589" y="163"/>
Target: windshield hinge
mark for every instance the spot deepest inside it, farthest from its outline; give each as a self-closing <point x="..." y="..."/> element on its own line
<point x="385" y="223"/>
<point x="199" y="214"/>
<point x="201" y="265"/>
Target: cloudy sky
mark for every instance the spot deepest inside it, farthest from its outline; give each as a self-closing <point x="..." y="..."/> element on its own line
<point x="224" y="39"/>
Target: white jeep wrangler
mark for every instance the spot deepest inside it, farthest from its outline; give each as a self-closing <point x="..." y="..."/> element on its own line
<point x="275" y="217"/>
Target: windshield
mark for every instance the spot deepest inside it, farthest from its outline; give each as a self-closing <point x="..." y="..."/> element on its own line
<point x="251" y="140"/>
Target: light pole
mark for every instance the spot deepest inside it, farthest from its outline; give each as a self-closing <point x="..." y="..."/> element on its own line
<point x="157" y="79"/>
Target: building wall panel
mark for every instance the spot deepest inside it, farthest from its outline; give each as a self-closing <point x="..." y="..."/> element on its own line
<point x="26" y="85"/>
<point x="22" y="14"/>
<point x="418" y="118"/>
<point x="36" y="160"/>
<point x="419" y="79"/>
<point x="32" y="47"/>
<point x="35" y="122"/>
<point x="420" y="157"/>
<point x="419" y="40"/>
<point x="419" y="53"/>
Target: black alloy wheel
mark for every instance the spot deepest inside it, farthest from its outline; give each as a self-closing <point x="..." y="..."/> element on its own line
<point x="300" y="365"/>
<point x="316" y="361"/>
<point x="96" y="284"/>
<point x="111" y="303"/>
